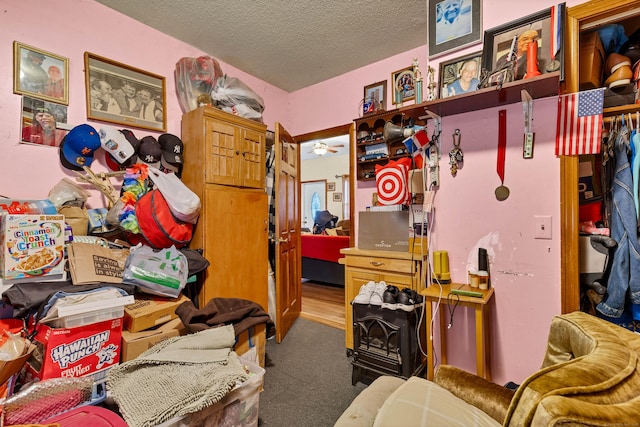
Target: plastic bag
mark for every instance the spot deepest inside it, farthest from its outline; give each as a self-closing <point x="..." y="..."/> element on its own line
<point x="195" y="78"/>
<point x="159" y="272"/>
<point x="67" y="193"/>
<point x="184" y="203"/>
<point x="231" y="92"/>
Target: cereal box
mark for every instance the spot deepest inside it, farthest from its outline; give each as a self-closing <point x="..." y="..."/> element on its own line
<point x="32" y="246"/>
<point x="75" y="352"/>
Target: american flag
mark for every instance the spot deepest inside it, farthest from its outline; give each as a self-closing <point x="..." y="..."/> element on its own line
<point x="579" y="123"/>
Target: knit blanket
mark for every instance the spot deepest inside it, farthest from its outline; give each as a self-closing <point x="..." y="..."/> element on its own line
<point x="176" y="377"/>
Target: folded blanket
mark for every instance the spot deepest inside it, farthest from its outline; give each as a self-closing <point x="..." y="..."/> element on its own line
<point x="178" y="376"/>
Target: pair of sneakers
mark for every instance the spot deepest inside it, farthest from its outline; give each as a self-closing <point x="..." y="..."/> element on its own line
<point x="406" y="300"/>
<point x="371" y="293"/>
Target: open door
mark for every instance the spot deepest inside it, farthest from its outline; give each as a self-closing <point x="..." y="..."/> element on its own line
<point x="287" y="195"/>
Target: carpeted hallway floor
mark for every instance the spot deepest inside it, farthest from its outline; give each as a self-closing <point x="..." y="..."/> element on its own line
<point x="308" y="378"/>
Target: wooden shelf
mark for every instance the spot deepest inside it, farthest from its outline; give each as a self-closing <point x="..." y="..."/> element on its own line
<point x="538" y="87"/>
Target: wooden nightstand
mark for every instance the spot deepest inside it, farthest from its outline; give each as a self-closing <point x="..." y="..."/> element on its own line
<point x="479" y="304"/>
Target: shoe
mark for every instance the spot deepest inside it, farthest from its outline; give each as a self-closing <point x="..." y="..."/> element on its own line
<point x="620" y="77"/>
<point x="408" y="299"/>
<point x="378" y="292"/>
<point x="364" y="295"/>
<point x="390" y="298"/>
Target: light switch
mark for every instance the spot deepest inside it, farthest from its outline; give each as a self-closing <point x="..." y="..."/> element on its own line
<point x="542" y="225"/>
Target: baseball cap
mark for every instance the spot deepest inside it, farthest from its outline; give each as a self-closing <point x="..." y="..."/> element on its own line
<point x="149" y="151"/>
<point x="116" y="146"/>
<point x="172" y="149"/>
<point x="78" y="147"/>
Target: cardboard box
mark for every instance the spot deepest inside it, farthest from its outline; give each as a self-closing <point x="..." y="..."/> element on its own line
<point x="149" y="311"/>
<point x="384" y="231"/>
<point x="252" y="343"/>
<point x="75" y="352"/>
<point x="32" y="247"/>
<point x="136" y="343"/>
<point x="592" y="57"/>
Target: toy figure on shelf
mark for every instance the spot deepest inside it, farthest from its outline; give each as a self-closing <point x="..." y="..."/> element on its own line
<point x="417" y="76"/>
<point x="432" y="84"/>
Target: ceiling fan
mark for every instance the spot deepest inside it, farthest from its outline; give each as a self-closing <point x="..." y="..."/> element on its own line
<point x="321" y="148"/>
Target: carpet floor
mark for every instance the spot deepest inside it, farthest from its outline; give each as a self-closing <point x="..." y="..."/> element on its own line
<point x="308" y="378"/>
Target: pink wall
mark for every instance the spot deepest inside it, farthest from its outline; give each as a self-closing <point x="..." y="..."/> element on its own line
<point x="525" y="271"/>
<point x="68" y="29"/>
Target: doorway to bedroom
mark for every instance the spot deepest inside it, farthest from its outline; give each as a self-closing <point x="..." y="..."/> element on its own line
<point x="325" y="192"/>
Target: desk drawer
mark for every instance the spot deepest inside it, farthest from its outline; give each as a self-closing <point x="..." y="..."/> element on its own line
<point x="381" y="264"/>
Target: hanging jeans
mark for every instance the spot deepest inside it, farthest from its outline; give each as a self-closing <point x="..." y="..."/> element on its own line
<point x="625" y="267"/>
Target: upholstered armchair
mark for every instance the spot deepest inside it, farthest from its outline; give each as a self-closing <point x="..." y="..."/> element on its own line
<point x="589" y="376"/>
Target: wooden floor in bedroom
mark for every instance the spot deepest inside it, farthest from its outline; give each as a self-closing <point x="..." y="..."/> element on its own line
<point x="323" y="304"/>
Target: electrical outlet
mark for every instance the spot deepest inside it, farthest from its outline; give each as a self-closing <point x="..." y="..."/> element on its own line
<point x="527" y="146"/>
<point x="542" y="225"/>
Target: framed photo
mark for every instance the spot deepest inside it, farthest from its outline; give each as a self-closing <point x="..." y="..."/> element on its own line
<point x="453" y="24"/>
<point x="40" y="74"/>
<point x="536" y="28"/>
<point x="42" y="122"/>
<point x="375" y="96"/>
<point x="331" y="186"/>
<point x="337" y="197"/>
<point x="460" y="75"/>
<point x="119" y="94"/>
<point x="404" y="88"/>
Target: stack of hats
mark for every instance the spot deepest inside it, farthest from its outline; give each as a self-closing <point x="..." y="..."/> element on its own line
<point x="617" y="70"/>
<point x="122" y="149"/>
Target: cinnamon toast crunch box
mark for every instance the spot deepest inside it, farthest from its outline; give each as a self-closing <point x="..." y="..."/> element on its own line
<point x="32" y="246"/>
<point x="75" y="352"/>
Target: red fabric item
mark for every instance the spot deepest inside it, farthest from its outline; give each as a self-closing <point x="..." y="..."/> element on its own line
<point x="158" y="225"/>
<point x="392" y="182"/>
<point x="320" y="246"/>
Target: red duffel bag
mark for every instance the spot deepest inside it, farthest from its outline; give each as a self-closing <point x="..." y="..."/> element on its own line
<point x="158" y="225"/>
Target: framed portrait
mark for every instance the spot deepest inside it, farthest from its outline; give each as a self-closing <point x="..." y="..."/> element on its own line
<point x="460" y="75"/>
<point x="517" y="35"/>
<point x="331" y="186"/>
<point x="40" y="74"/>
<point x="337" y="197"/>
<point x="43" y="122"/>
<point x="404" y="88"/>
<point x="124" y="95"/>
<point x="453" y="25"/>
<point x="375" y="96"/>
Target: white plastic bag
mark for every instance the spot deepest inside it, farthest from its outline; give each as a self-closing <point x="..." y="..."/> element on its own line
<point x="159" y="272"/>
<point x="232" y="92"/>
<point x="195" y="78"/>
<point x="184" y="203"/>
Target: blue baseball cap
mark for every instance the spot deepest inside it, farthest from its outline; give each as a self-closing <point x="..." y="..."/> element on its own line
<point x="78" y="147"/>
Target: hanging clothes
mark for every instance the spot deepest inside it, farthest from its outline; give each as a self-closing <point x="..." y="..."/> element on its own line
<point x="271" y="196"/>
<point x="625" y="269"/>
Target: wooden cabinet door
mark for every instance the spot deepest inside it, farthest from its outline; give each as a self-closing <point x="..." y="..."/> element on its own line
<point x="222" y="152"/>
<point x="236" y="244"/>
<point x="252" y="166"/>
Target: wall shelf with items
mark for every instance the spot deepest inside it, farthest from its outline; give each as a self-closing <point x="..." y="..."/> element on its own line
<point x="369" y="129"/>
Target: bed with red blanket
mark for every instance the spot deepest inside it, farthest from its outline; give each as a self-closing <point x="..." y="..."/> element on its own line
<point x="320" y="254"/>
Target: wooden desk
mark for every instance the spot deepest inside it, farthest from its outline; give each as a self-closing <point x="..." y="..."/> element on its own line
<point x="483" y="350"/>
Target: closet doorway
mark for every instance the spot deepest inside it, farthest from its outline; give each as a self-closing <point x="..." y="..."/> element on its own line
<point x="326" y="158"/>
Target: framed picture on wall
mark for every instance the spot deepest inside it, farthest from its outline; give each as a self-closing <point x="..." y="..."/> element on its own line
<point x="403" y="85"/>
<point x="124" y="95"/>
<point x="331" y="186"/>
<point x="375" y="97"/>
<point x="460" y="75"/>
<point x="452" y="25"/>
<point x="517" y="35"/>
<point x="40" y="74"/>
<point x="337" y="197"/>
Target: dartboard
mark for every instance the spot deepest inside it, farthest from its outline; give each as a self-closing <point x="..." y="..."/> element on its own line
<point x="391" y="183"/>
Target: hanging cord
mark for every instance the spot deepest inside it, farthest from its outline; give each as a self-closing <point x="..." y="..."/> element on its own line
<point x="452" y="310"/>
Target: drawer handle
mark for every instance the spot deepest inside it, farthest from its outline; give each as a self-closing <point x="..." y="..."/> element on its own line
<point x="377" y="263"/>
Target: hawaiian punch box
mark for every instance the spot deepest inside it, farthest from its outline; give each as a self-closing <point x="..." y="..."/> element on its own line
<point x="33" y="246"/>
<point x="75" y="352"/>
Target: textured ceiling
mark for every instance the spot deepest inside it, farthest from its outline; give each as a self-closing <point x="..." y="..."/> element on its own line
<point x="290" y="44"/>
